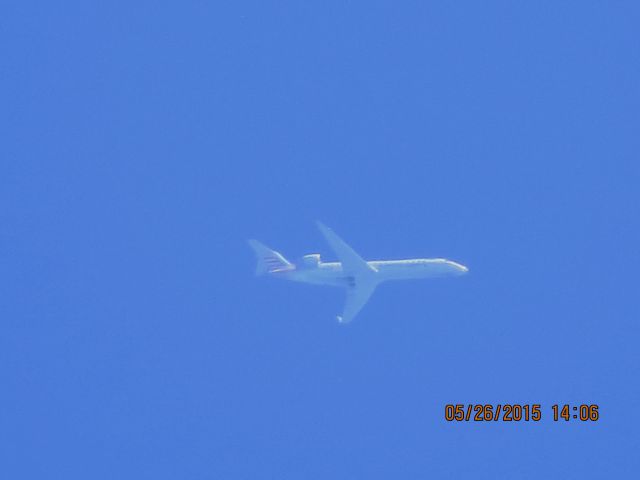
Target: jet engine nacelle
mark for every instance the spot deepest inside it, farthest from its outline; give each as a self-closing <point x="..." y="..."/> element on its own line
<point x="311" y="261"/>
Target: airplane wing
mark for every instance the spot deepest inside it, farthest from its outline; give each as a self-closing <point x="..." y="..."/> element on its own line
<point x="352" y="263"/>
<point x="361" y="280"/>
<point x="357" y="296"/>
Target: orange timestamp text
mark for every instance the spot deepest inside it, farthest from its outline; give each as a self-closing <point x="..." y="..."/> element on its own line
<point x="515" y="412"/>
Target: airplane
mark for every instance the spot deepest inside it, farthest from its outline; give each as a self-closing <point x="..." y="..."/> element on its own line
<point x="359" y="277"/>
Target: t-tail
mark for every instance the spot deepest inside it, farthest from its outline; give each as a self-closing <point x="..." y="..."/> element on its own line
<point x="269" y="261"/>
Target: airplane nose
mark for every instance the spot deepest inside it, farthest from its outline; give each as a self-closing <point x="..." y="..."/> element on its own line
<point x="459" y="267"/>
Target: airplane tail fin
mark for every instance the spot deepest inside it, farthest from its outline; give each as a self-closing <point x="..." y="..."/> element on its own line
<point x="269" y="261"/>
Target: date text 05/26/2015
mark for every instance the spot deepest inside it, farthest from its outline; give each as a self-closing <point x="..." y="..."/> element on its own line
<point x="516" y="412"/>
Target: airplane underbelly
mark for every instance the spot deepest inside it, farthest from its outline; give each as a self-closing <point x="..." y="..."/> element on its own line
<point x="398" y="272"/>
<point x="320" y="277"/>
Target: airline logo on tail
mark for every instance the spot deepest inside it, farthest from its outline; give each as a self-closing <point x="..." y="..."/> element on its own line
<point x="269" y="261"/>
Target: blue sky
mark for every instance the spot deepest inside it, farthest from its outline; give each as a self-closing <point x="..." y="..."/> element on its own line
<point x="144" y="142"/>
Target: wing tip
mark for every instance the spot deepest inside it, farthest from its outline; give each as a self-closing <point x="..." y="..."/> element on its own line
<point x="321" y="225"/>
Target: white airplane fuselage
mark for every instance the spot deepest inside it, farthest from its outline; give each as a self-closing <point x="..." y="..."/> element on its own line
<point x="357" y="276"/>
<point x="330" y="273"/>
